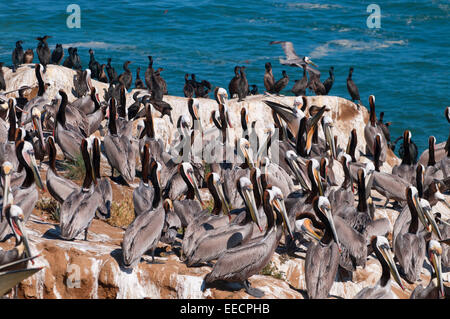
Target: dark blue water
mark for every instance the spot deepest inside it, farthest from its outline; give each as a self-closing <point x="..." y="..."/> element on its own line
<point x="405" y="63"/>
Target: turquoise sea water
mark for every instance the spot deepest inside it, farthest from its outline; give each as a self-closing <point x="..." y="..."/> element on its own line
<point x="405" y="63"/>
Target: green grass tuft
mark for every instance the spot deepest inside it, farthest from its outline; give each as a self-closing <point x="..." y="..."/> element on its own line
<point x="271" y="270"/>
<point x="75" y="169"/>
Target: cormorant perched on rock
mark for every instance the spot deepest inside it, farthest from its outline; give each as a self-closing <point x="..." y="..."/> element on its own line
<point x="102" y="75"/>
<point x="94" y="66"/>
<point x="43" y="51"/>
<point x="203" y="88"/>
<point x="233" y="86"/>
<point x="269" y="79"/>
<point x="328" y="83"/>
<point x="161" y="82"/>
<point x="149" y="73"/>
<point x="57" y="54"/>
<point x="254" y="90"/>
<point x="126" y="77"/>
<point x="138" y="84"/>
<point x="243" y="84"/>
<point x="28" y="56"/>
<point x="73" y="61"/>
<point x="316" y="85"/>
<point x="17" y="55"/>
<point x="188" y="89"/>
<point x="352" y="88"/>
<point x="112" y="74"/>
<point x="300" y="86"/>
<point x="281" y="83"/>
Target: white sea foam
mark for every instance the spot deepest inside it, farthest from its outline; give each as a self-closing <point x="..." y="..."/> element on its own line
<point x="351" y="45"/>
<point x="96" y="45"/>
<point x="309" y="6"/>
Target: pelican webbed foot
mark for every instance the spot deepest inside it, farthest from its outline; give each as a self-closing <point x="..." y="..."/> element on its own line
<point x="255" y="292"/>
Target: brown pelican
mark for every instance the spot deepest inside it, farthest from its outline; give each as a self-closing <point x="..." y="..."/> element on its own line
<point x="198" y="221"/>
<point x="156" y="146"/>
<point x="239" y="263"/>
<point x="144" y="233"/>
<point x="102" y="185"/>
<point x="444" y="229"/>
<point x="145" y="195"/>
<point x="322" y="258"/>
<point x="8" y="149"/>
<point x="390" y="186"/>
<point x="59" y="187"/>
<point x="192" y="204"/>
<point x="409" y="247"/>
<point x="371" y="130"/>
<point x="80" y="206"/>
<point x="293" y="59"/>
<point x="217" y="240"/>
<point x="440" y="149"/>
<point x="382" y="290"/>
<point x="295" y="119"/>
<point x="12" y="262"/>
<point x="26" y="195"/>
<point x="361" y="219"/>
<point x="343" y="196"/>
<point x="406" y="169"/>
<point x="40" y="100"/>
<point x="88" y="104"/>
<point x="435" y="289"/>
<point x="66" y="136"/>
<point x="119" y="149"/>
<point x="273" y="174"/>
<point x="15" y="218"/>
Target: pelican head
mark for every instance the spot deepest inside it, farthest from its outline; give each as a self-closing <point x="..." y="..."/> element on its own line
<point x="28" y="155"/>
<point x="280" y="208"/>
<point x="245" y="187"/>
<point x="187" y="172"/>
<point x="308" y="60"/>
<point x="322" y="208"/>
<point x="244" y="146"/>
<point x="15" y="217"/>
<point x="214" y="180"/>
<point x="434" y="255"/>
<point x="383" y="251"/>
<point x="221" y="95"/>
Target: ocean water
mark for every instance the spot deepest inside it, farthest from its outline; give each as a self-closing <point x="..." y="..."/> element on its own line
<point x="405" y="63"/>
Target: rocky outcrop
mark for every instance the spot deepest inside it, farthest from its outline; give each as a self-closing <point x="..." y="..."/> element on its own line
<point x="92" y="269"/>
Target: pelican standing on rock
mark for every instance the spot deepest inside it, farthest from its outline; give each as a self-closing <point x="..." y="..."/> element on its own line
<point x="144" y="233"/>
<point x="322" y="258"/>
<point x="240" y="263"/>
<point x="80" y="206"/>
<point x="119" y="149"/>
<point x="382" y="290"/>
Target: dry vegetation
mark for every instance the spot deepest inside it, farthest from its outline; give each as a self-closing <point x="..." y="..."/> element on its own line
<point x="49" y="206"/>
<point x="122" y="213"/>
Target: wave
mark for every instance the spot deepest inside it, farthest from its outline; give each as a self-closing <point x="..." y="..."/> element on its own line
<point x="352" y="45"/>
